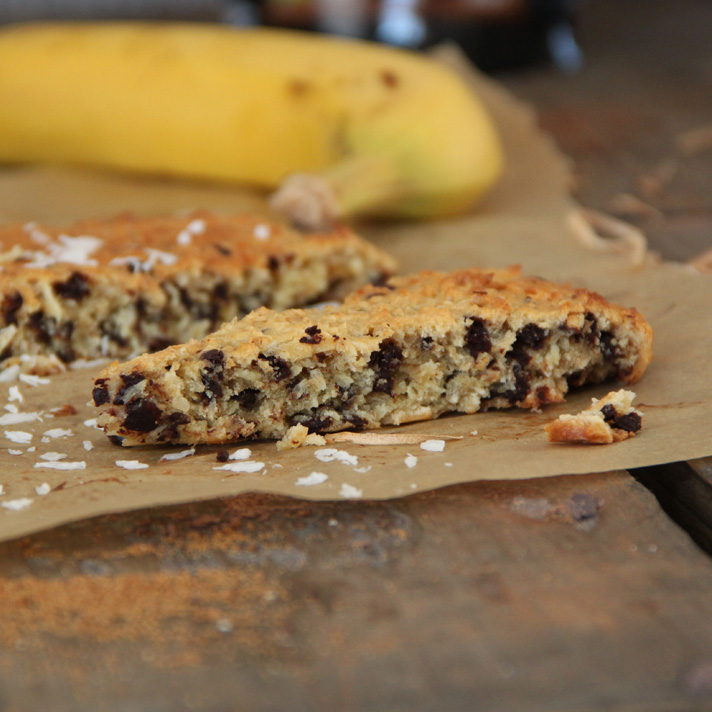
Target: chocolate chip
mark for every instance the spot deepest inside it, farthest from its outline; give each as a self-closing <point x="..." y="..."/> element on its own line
<point x="213" y="389"/>
<point x="610" y="351"/>
<point x="280" y="368"/>
<point x="116" y="440"/>
<point x="531" y="336"/>
<point x="313" y="335"/>
<point x="477" y="338"/>
<point x="590" y="328"/>
<point x="426" y="343"/>
<point x="75" y="288"/>
<point x="272" y="263"/>
<point x="222" y="456"/>
<point x="100" y="394"/>
<point x="313" y="423"/>
<point x="520" y="390"/>
<point x="178" y="418"/>
<point x="11" y="304"/>
<point x="630" y="422"/>
<point x="247" y="398"/>
<point x="575" y="379"/>
<point x="43" y="326"/>
<point x="143" y="416"/>
<point x="385" y="362"/>
<point x="220" y="291"/>
<point x="225" y="251"/>
<point x="356" y="420"/>
<point x="129" y="381"/>
<point x="321" y="356"/>
<point x="214" y="356"/>
<point x="109" y="329"/>
<point x="66" y="354"/>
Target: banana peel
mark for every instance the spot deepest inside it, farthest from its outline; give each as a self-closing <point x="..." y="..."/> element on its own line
<point x="339" y="128"/>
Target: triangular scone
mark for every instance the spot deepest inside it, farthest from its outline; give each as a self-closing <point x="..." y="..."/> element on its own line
<point x="124" y="286"/>
<point x="416" y="348"/>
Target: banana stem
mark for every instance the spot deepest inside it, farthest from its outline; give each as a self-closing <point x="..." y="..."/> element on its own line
<point x="357" y="185"/>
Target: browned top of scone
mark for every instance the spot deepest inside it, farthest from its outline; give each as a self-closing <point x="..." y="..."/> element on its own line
<point x="149" y="249"/>
<point x="440" y="303"/>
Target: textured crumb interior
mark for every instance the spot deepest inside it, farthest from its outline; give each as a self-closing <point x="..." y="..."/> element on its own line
<point x="115" y="306"/>
<point x="260" y="376"/>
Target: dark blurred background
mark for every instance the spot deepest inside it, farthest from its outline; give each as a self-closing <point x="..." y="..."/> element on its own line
<point x="496" y="34"/>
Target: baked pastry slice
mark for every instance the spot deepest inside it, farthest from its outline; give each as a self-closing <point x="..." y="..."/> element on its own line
<point x="413" y="349"/>
<point x="128" y="285"/>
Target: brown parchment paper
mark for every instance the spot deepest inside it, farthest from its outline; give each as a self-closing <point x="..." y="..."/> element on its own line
<point x="525" y="221"/>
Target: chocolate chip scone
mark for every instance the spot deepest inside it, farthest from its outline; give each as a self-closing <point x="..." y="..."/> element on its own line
<point x="413" y="349"/>
<point x="128" y="285"/>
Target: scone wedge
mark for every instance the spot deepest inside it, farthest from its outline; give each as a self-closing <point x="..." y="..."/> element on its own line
<point x="412" y="349"/>
<point x="119" y="287"/>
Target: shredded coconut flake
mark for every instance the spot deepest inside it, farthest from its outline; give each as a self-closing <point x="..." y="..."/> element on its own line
<point x="330" y="454"/>
<point x="315" y="478"/>
<point x="242" y="467"/>
<point x="433" y="445"/>
<point x="43" y="489"/>
<point x="18" y="436"/>
<point x="242" y="454"/>
<point x="14" y="452"/>
<point x="53" y="456"/>
<point x="17" y="418"/>
<point x="58" y="433"/>
<point x="11" y="408"/>
<point x="83" y="363"/>
<point x="32" y="380"/>
<point x="138" y="265"/>
<point x="13" y="394"/>
<point x="10" y="373"/>
<point x="88" y="445"/>
<point x="411" y="460"/>
<point x="62" y="465"/>
<point x="195" y="227"/>
<point x="72" y="250"/>
<point x="350" y="492"/>
<point x="178" y="455"/>
<point x="131" y="464"/>
<point x="262" y="231"/>
<point x="91" y="423"/>
<point x="17" y="504"/>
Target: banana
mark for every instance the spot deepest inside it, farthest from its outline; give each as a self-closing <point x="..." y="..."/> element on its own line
<point x="340" y="127"/>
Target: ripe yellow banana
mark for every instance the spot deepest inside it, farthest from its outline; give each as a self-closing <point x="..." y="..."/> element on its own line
<point x="371" y="129"/>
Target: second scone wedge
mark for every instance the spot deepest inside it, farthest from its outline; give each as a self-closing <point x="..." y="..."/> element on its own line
<point x="410" y="350"/>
